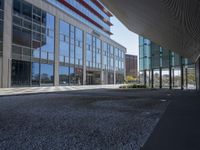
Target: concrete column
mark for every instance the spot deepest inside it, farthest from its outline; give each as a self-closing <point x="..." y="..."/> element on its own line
<point x="186" y="78"/>
<point x="145" y="77"/>
<point x="197" y="69"/>
<point x="170" y="77"/>
<point x="124" y="65"/>
<point x="152" y="79"/>
<point x="160" y="77"/>
<point x="182" y="77"/>
<point x="84" y="57"/>
<point x="7" y="44"/>
<point x="173" y="84"/>
<point x="1" y="66"/>
<point x="114" y="68"/>
<point x="56" y="57"/>
<point x="102" y="72"/>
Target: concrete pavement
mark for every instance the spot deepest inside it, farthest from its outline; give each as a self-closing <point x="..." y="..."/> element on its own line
<point x="179" y="127"/>
<point x="50" y="89"/>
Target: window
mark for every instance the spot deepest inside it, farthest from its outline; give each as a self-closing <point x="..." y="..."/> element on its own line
<point x="17" y="6"/>
<point x="1" y="4"/>
<point x="1" y="30"/>
<point x="20" y="73"/>
<point x="27" y="9"/>
<point x="35" y="74"/>
<point x="21" y="36"/>
<point x="79" y="47"/>
<point x="47" y="76"/>
<point x="64" y="42"/>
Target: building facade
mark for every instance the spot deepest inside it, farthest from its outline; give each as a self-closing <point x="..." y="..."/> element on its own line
<point x="162" y="68"/>
<point x="58" y="42"/>
<point x="131" y="65"/>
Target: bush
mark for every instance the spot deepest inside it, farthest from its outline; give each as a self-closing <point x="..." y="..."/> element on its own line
<point x="133" y="86"/>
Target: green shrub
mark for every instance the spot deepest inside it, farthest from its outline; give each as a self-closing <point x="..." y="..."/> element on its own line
<point x="133" y="86"/>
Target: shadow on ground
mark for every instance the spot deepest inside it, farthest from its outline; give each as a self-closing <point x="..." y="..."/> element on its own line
<point x="90" y="119"/>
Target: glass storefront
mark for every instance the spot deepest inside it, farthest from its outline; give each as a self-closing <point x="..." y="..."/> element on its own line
<point x="21" y="73"/>
<point x="93" y="77"/>
<point x="165" y="78"/>
<point x="156" y="78"/>
<point x="170" y="70"/>
<point x="31" y="74"/>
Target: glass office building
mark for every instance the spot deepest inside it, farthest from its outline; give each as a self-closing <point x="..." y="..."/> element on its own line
<point x="163" y="68"/>
<point x="58" y="42"/>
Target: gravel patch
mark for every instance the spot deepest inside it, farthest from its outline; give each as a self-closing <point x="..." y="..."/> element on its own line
<point x="86" y="120"/>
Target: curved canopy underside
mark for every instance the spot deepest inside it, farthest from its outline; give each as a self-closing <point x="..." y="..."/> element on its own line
<point x="174" y="24"/>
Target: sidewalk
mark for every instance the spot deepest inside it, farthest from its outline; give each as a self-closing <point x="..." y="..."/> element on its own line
<point x="179" y="127"/>
<point x="33" y="90"/>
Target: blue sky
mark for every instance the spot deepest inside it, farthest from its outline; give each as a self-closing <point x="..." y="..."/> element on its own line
<point x="124" y="36"/>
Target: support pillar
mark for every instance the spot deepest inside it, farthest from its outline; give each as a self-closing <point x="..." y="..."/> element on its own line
<point x="56" y="48"/>
<point x="84" y="58"/>
<point x="173" y="84"/>
<point x="186" y="78"/>
<point x="1" y="71"/>
<point x="197" y="69"/>
<point x="152" y="79"/>
<point x="182" y="75"/>
<point x="170" y="77"/>
<point x="7" y="44"/>
<point x="160" y="77"/>
<point x="145" y="78"/>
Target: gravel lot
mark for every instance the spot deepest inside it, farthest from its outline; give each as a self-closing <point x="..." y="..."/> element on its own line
<point x="86" y="120"/>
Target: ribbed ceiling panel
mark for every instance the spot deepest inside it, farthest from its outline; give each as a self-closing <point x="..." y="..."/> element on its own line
<point x="174" y="24"/>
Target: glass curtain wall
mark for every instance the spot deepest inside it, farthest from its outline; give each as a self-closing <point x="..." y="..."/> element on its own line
<point x="78" y="56"/>
<point x="71" y="54"/>
<point x="93" y="59"/>
<point x="64" y="53"/>
<point x="167" y="66"/>
<point x="190" y="74"/>
<point x="156" y="78"/>
<point x="33" y="45"/>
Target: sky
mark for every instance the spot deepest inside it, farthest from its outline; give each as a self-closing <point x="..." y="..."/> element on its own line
<point x="124" y="36"/>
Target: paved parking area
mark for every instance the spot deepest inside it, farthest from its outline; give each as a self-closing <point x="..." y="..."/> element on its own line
<point x="109" y="119"/>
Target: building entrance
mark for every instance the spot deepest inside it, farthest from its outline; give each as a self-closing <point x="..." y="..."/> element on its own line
<point x="93" y="78"/>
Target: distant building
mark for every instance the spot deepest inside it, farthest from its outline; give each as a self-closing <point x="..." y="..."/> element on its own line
<point x="131" y="65"/>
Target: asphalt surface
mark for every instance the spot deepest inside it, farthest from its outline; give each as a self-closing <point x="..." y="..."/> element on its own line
<point x="179" y="127"/>
<point x="86" y="120"/>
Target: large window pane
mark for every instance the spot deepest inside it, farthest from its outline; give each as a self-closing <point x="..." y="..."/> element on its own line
<point x="79" y="47"/>
<point x="47" y="76"/>
<point x="35" y="74"/>
<point x="63" y="75"/>
<point x="1" y="4"/>
<point x="27" y="10"/>
<point x="20" y="73"/>
<point x="21" y="36"/>
<point x="72" y="76"/>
